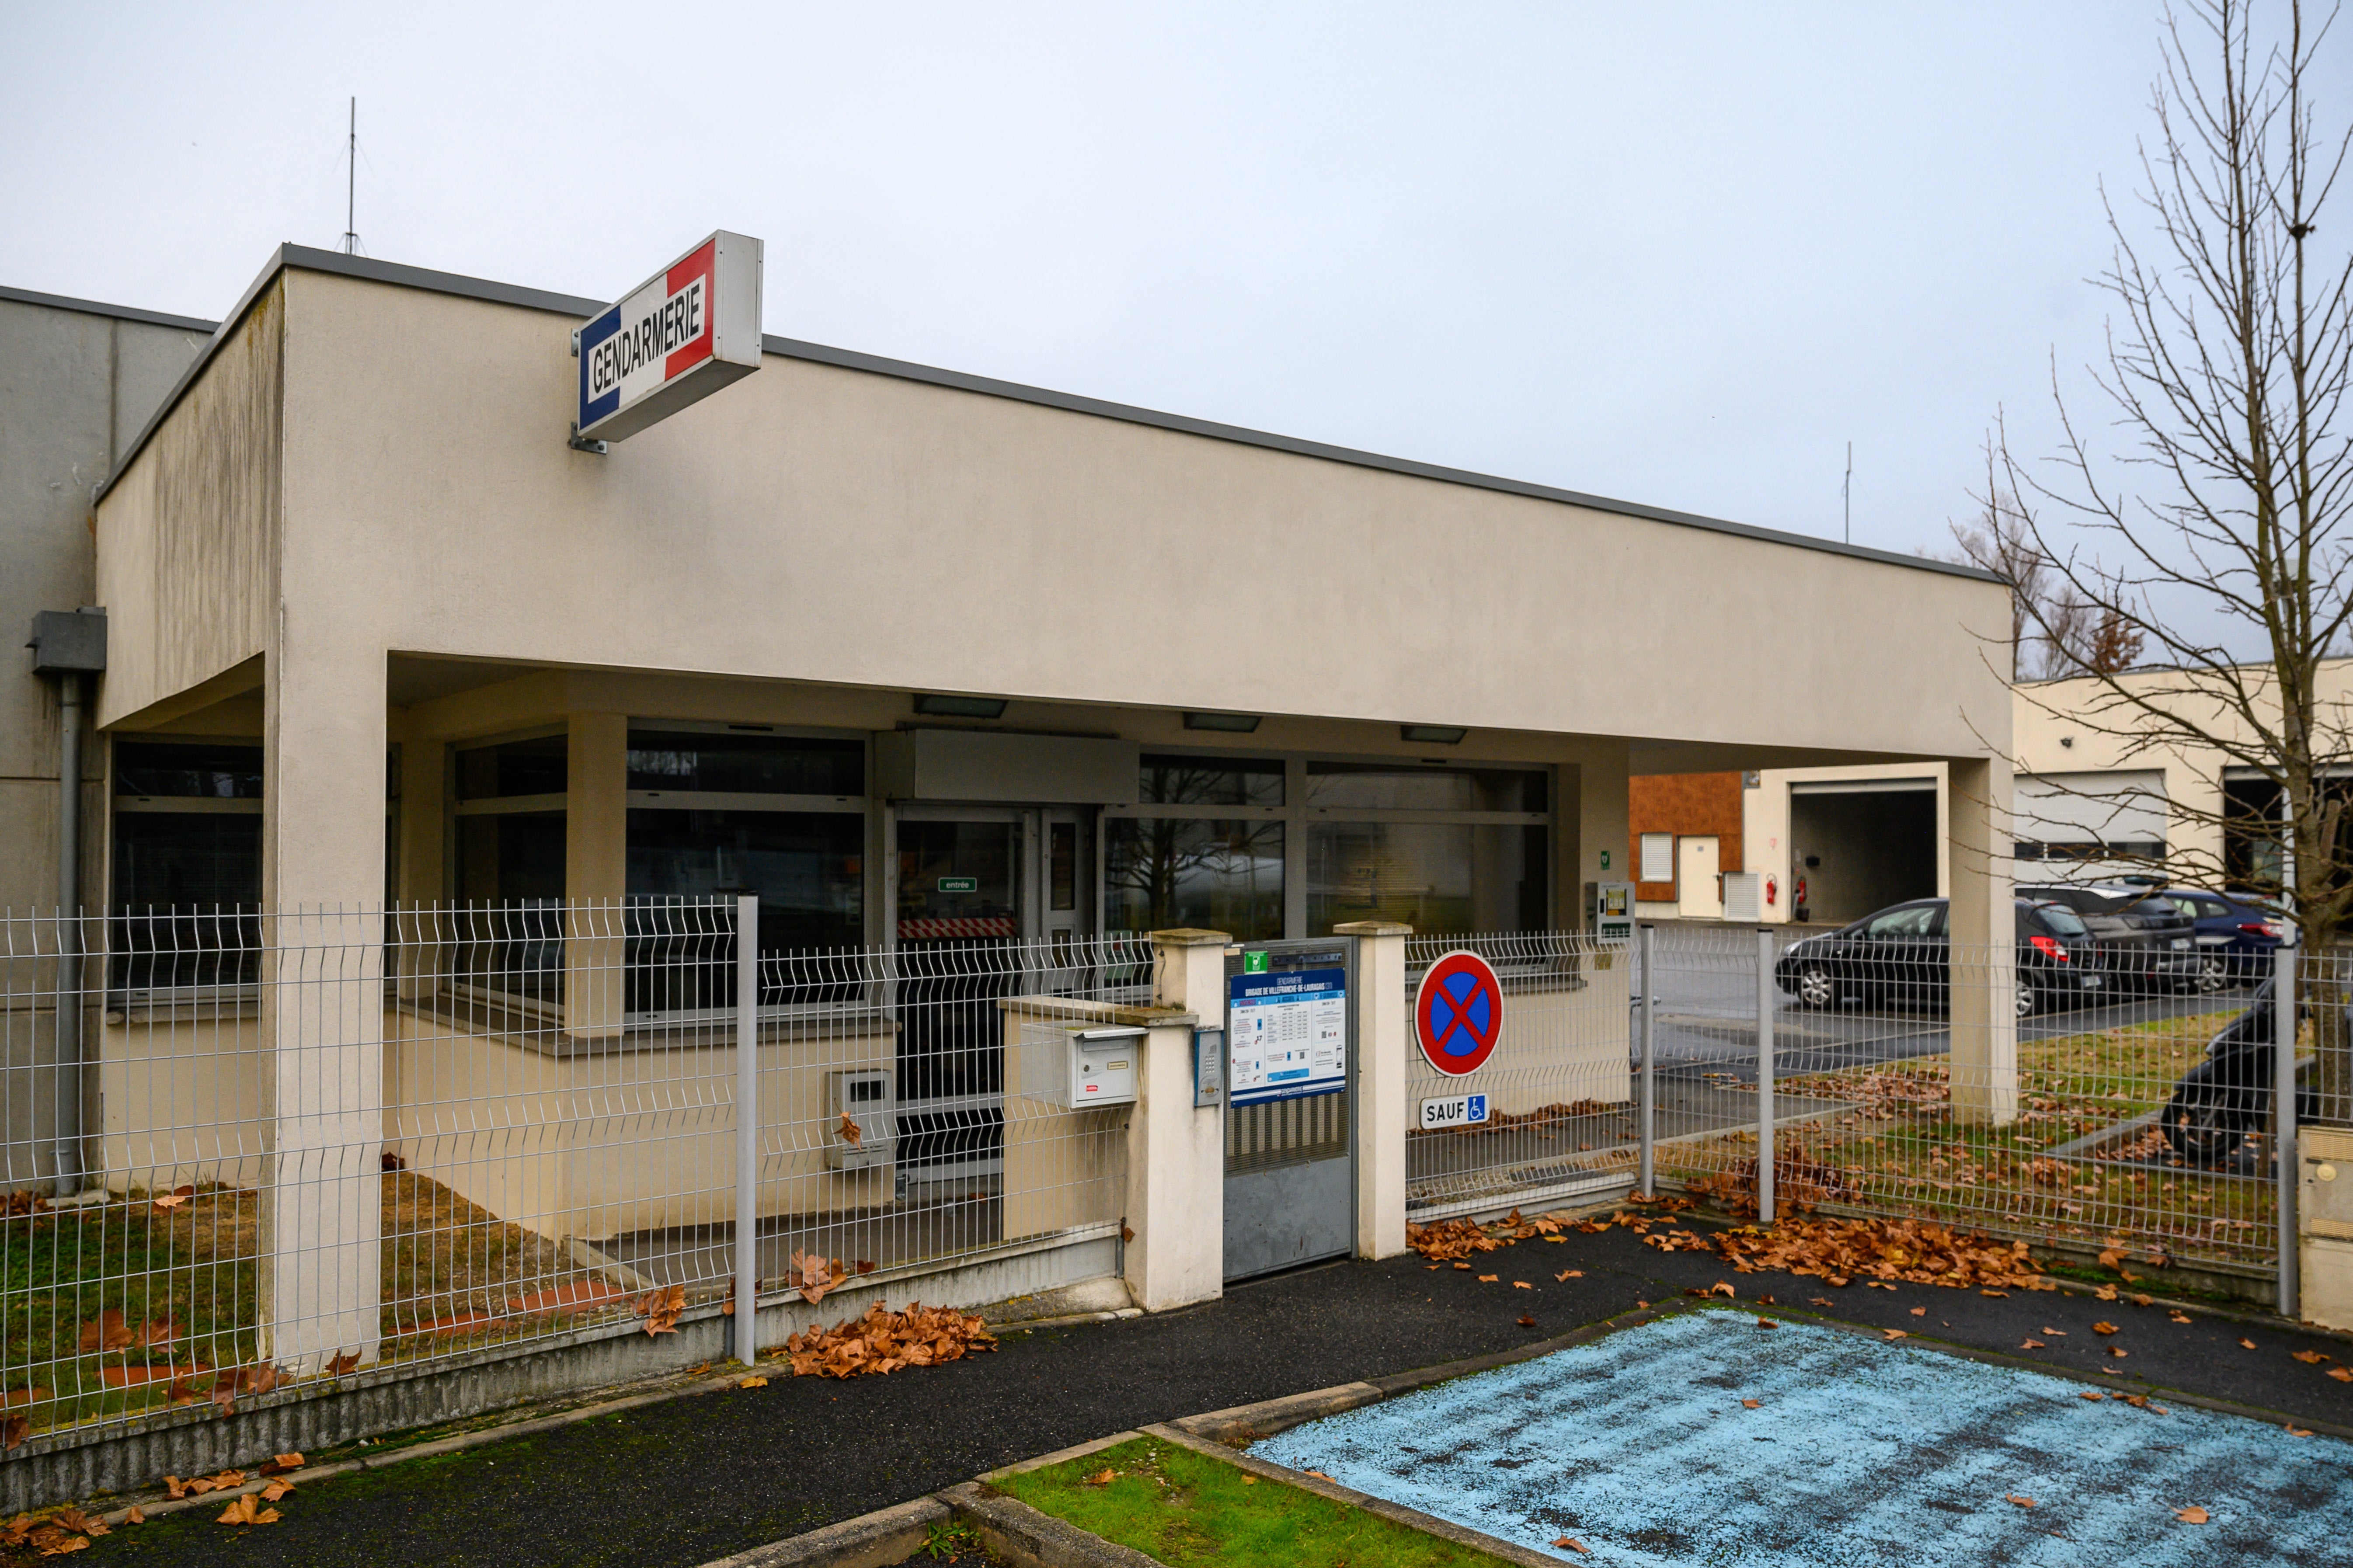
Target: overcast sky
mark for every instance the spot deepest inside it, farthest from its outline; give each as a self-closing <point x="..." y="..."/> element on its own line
<point x="1679" y="258"/>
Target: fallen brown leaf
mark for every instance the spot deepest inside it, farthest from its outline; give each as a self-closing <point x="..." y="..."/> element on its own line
<point x="1723" y="1289"/>
<point x="754" y="1383"/>
<point x="1526" y="1321"/>
<point x="1572" y="1543"/>
<point x="1752" y="1405"/>
<point x="2341" y="1373"/>
<point x="13" y="1433"/>
<point x="1895" y="1334"/>
<point x="282" y="1463"/>
<point x="2032" y="1345"/>
<point x="2002" y="1293"/>
<point x="1489" y="1278"/>
<point x="2311" y="1358"/>
<point x="1522" y="1285"/>
<point x="2118" y="1351"/>
<point x="275" y="1491"/>
<point x="2103" y="1328"/>
<point x="1570" y="1274"/>
<point x="2295" y="1431"/>
<point x="2178" y="1317"/>
<point x="848" y="1132"/>
<point x="108" y="1332"/>
<point x="246" y="1510"/>
<point x="2021" y="1501"/>
<point x="2246" y="1344"/>
<point x="1919" y="1311"/>
<point x="2193" y="1514"/>
<point x="343" y="1364"/>
<point x="1101" y="1477"/>
<point x="132" y="1516"/>
<point x="2095" y="1394"/>
<point x="1319" y="1476"/>
<point x="1766" y="1324"/>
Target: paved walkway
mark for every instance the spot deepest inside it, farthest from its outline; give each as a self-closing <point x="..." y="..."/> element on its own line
<point x="680" y="1483"/>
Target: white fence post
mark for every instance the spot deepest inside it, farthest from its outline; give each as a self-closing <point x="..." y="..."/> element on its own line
<point x="1650" y="982"/>
<point x="1765" y="1074"/>
<point x="748" y="1128"/>
<point x="2283" y="1122"/>
<point x="1384" y="1038"/>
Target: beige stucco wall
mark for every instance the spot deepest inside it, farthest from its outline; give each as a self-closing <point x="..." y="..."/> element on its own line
<point x="2079" y="726"/>
<point x="832" y="526"/>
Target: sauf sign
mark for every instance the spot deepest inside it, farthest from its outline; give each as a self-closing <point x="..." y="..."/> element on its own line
<point x="677" y="338"/>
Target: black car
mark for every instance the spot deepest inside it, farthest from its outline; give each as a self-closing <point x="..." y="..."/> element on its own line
<point x="2146" y="943"/>
<point x="2220" y="1102"/>
<point x="1903" y="953"/>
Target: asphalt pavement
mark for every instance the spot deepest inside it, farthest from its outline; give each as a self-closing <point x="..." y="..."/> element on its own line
<point x="679" y="1483"/>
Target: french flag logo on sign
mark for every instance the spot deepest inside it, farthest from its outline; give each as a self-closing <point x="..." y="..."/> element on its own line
<point x="680" y="335"/>
<point x="641" y="344"/>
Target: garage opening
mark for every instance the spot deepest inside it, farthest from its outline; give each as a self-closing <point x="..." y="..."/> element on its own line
<point x="1862" y="846"/>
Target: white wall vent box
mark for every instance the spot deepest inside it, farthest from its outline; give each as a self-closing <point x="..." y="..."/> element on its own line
<point x="872" y="1100"/>
<point x="1076" y="1066"/>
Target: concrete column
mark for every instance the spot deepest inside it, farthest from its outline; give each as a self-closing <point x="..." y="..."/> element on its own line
<point x="420" y="880"/>
<point x="1984" y="936"/>
<point x="1384" y="1035"/>
<point x="1176" y="1152"/>
<point x="1597" y="814"/>
<point x="596" y="872"/>
<point x="323" y="1004"/>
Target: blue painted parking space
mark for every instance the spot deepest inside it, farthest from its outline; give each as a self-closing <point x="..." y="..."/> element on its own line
<point x="1643" y="1447"/>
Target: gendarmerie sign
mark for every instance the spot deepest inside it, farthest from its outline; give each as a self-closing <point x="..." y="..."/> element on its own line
<point x="678" y="337"/>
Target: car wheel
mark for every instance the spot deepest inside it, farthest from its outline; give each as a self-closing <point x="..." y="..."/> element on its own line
<point x="2029" y="998"/>
<point x="2200" y="1132"/>
<point x="1815" y="987"/>
<point x="2214" y="973"/>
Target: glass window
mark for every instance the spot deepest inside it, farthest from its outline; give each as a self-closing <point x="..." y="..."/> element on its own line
<point x="1163" y="873"/>
<point x="1211" y="780"/>
<point x="187" y="772"/>
<point x="955" y="881"/>
<point x="1436" y="877"/>
<point x="510" y="857"/>
<point x="1912" y="920"/>
<point x="518" y="767"/>
<point x="1063" y="865"/>
<point x="745" y="764"/>
<point x="1383" y="787"/>
<point x="2061" y="921"/>
<point x="808" y="868"/>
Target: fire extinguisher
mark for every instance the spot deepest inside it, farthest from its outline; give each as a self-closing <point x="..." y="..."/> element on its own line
<point x="1772" y="889"/>
<point x="1797" y="899"/>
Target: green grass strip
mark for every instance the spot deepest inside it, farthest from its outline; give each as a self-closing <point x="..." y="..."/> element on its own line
<point x="1186" y="1508"/>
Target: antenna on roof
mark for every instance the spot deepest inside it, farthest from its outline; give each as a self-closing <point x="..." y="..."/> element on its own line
<point x="1846" y="493"/>
<point x="352" y="181"/>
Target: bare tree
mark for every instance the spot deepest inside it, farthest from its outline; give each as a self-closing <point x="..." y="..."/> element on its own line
<point x="2000" y="542"/>
<point x="2226" y="371"/>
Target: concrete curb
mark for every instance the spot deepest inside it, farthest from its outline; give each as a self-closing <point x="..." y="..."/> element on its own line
<point x="1021" y="1534"/>
<point x="876" y="1539"/>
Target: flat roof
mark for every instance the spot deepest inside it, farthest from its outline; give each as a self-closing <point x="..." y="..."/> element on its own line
<point x="119" y="313"/>
<point x="577" y="309"/>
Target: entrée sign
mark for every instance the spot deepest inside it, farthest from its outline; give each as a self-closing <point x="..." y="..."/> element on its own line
<point x="676" y="338"/>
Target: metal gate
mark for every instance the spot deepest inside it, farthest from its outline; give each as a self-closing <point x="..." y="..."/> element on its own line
<point x="1291" y="1077"/>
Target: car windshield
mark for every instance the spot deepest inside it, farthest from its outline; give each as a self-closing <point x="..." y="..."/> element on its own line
<point x="2060" y="920"/>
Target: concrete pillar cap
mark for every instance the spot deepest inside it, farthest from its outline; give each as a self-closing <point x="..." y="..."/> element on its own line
<point x="1186" y="936"/>
<point x="1372" y="928"/>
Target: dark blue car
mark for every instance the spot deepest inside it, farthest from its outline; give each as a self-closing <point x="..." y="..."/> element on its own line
<point x="2235" y="936"/>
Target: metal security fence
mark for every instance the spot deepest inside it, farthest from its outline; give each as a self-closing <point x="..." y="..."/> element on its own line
<point x="1560" y="1103"/>
<point x="250" y="1150"/>
<point x="2070" y="1091"/>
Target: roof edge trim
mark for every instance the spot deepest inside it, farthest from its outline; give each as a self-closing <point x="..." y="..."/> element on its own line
<point x="98" y="308"/>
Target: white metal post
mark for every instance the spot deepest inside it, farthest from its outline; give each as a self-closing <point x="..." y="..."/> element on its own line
<point x="1765" y="1074"/>
<point x="2283" y="1120"/>
<point x="748" y="1128"/>
<point x="1649" y="979"/>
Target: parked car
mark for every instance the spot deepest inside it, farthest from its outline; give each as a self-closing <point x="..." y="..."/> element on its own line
<point x="2145" y="943"/>
<point x="2220" y="1102"/>
<point x="1904" y="952"/>
<point x="2236" y="936"/>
